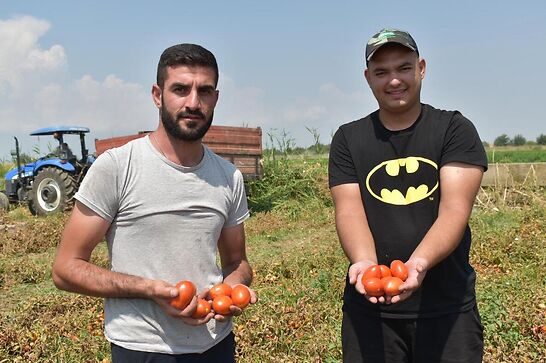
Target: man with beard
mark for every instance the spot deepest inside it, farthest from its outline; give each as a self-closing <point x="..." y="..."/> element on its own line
<point x="166" y="205"/>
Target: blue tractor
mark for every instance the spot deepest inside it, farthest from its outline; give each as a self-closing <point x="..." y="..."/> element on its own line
<point x="48" y="184"/>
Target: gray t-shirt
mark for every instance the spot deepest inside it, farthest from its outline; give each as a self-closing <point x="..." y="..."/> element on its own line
<point x="165" y="223"/>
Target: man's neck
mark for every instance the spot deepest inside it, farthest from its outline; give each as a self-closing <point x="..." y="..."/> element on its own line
<point x="185" y="153"/>
<point x="396" y="121"/>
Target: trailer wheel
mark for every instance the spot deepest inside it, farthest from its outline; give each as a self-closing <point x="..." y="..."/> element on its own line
<point x="4" y="201"/>
<point x="52" y="191"/>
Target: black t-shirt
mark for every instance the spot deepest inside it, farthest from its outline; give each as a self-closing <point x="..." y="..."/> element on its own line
<point x="398" y="175"/>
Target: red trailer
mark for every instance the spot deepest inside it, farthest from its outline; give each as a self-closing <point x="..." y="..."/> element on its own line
<point x="242" y="146"/>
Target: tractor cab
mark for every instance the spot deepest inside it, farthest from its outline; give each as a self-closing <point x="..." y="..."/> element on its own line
<point x="63" y="151"/>
<point x="49" y="183"/>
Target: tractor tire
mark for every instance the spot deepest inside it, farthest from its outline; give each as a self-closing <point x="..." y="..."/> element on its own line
<point x="52" y="191"/>
<point x="4" y="201"/>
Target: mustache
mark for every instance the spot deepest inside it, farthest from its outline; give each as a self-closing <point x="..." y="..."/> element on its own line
<point x="189" y="113"/>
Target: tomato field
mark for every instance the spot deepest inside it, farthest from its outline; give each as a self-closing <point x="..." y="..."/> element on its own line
<point x="299" y="277"/>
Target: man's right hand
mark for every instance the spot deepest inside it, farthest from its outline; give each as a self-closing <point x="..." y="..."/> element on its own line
<point x="162" y="293"/>
<point x="356" y="271"/>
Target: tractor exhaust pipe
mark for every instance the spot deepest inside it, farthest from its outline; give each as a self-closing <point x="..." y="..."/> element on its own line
<point x="18" y="159"/>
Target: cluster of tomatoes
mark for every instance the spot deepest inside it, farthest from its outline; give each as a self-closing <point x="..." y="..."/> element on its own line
<point x="222" y="297"/>
<point x="379" y="280"/>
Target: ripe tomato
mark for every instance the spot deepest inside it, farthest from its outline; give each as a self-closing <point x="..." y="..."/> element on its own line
<point x="240" y="296"/>
<point x="203" y="308"/>
<point x="221" y="304"/>
<point x="391" y="285"/>
<point x="373" y="286"/>
<point x="399" y="269"/>
<point x="385" y="271"/>
<point x="186" y="292"/>
<point x="219" y="290"/>
<point x="372" y="271"/>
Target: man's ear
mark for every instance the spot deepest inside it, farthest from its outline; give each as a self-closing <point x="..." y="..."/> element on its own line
<point x="217" y="96"/>
<point x="367" y="75"/>
<point x="422" y="67"/>
<point x="156" y="95"/>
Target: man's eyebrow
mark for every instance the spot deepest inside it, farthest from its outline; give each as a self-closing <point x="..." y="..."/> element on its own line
<point x="381" y="68"/>
<point x="179" y="84"/>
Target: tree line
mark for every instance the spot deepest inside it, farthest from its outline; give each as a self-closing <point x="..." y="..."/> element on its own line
<point x="517" y="140"/>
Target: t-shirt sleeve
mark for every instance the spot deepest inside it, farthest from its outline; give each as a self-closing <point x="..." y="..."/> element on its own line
<point x="99" y="188"/>
<point x="238" y="211"/>
<point x="463" y="144"/>
<point x="341" y="168"/>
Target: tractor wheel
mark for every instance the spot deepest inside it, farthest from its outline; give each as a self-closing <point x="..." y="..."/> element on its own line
<point x="4" y="201"/>
<point x="52" y="191"/>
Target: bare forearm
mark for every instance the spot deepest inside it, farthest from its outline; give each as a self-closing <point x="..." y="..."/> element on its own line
<point x="459" y="186"/>
<point x="443" y="238"/>
<point x="238" y="272"/>
<point x="355" y="238"/>
<point x="85" y="278"/>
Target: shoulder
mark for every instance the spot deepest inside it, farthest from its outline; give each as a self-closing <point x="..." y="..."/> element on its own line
<point x="222" y="165"/>
<point x="131" y="146"/>
<point x="350" y="132"/>
<point x="446" y="120"/>
<point x="436" y="114"/>
<point x="125" y="152"/>
<point x="357" y="124"/>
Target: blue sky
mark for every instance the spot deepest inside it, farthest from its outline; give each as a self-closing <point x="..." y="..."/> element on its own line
<point x="284" y="65"/>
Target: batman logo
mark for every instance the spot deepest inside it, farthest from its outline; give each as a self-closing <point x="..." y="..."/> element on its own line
<point x="389" y="183"/>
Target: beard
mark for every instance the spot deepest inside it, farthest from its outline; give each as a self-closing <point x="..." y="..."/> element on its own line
<point x="193" y="131"/>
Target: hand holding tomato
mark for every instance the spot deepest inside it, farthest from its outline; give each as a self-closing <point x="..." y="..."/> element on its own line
<point x="356" y="274"/>
<point x="232" y="301"/>
<point x="186" y="292"/>
<point x="164" y="293"/>
<point x="384" y="284"/>
<point x="417" y="269"/>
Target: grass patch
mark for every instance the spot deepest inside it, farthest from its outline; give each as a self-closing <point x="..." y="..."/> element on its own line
<point x="523" y="154"/>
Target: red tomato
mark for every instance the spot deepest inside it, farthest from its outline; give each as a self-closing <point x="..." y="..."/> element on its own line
<point x="391" y="285"/>
<point x="373" y="286"/>
<point x="203" y="308"/>
<point x="186" y="292"/>
<point x="372" y="271"/>
<point x="221" y="304"/>
<point x="385" y="271"/>
<point x="240" y="296"/>
<point x="219" y="290"/>
<point x="399" y="269"/>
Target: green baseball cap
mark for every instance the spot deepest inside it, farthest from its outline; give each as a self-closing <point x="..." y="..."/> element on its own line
<point x="386" y="36"/>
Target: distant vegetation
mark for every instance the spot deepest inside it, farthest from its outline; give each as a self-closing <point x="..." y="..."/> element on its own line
<point x="518" y="140"/>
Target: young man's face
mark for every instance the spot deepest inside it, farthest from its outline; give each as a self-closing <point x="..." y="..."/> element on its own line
<point x="187" y="101"/>
<point x="394" y="75"/>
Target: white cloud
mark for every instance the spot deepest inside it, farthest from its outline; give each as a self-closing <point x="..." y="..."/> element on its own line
<point x="240" y="105"/>
<point x="36" y="92"/>
<point x="21" y="54"/>
<point x="112" y="106"/>
<point x="309" y="113"/>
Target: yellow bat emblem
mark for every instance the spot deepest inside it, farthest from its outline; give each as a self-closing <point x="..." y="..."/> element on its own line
<point x="392" y="168"/>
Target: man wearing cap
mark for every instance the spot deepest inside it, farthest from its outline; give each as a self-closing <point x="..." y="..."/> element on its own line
<point x="403" y="180"/>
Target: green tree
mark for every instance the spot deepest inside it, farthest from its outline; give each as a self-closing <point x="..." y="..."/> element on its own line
<point x="541" y="139"/>
<point x="502" y="140"/>
<point x="519" y="140"/>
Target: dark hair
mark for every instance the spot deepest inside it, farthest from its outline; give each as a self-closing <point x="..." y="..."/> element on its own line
<point x="185" y="54"/>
